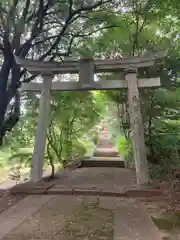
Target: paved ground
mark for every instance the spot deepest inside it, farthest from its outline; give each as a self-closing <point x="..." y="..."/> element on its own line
<point x="60" y="217"/>
<point x="46" y="217"/>
<point x="98" y="178"/>
<point x="76" y="218"/>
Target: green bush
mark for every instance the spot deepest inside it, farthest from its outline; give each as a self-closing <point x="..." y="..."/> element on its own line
<point x="83" y="147"/>
<point x="124" y="148"/>
<point x="4" y="156"/>
<point x="23" y="156"/>
<point x="164" y="143"/>
<point x="164" y="149"/>
<point x="79" y="148"/>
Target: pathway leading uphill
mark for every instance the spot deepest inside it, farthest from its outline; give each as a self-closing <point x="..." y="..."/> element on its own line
<point x="95" y="202"/>
<point x="105" y="153"/>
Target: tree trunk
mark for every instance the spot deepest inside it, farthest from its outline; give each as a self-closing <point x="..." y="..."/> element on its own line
<point x="4" y="75"/>
<point x="9" y="90"/>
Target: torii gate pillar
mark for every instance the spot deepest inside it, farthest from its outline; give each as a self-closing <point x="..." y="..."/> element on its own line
<point x="137" y="128"/>
<point x="41" y="132"/>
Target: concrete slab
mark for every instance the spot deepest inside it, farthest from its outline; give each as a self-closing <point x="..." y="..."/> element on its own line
<point x="86" y="192"/>
<point x="81" y="217"/>
<point x="67" y="218"/>
<point x="143" y="192"/>
<point x="17" y="214"/>
<point x="98" y="178"/>
<point x="132" y="223"/>
<point x="87" y="181"/>
<point x="30" y="185"/>
<point x="8" y="201"/>
<point x="77" y="218"/>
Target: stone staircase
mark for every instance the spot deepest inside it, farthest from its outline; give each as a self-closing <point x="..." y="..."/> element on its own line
<point x="105" y="154"/>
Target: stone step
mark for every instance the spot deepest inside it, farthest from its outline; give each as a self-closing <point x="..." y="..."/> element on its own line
<point x="104" y="133"/>
<point x="105" y="158"/>
<point x="102" y="163"/>
<point x="104" y="136"/>
<point x="100" y="153"/>
<point x="104" y="139"/>
<point x="104" y="145"/>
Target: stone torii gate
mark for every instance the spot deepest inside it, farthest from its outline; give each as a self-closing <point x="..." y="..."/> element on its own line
<point x="86" y="68"/>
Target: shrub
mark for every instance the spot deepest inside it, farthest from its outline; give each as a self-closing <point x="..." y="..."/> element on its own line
<point x="124" y="148"/>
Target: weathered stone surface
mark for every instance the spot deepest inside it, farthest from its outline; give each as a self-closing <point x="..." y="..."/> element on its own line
<point x="98" y="178"/>
<point x="8" y="201"/>
<point x="31" y="188"/>
<point x="67" y="218"/>
<point x="77" y="218"/>
<point x="105" y="147"/>
<point x="92" y="223"/>
<point x="114" y="193"/>
<point x="133" y="223"/>
<point x="143" y="192"/>
<point x="31" y="185"/>
<point x="17" y="214"/>
<point x="59" y="191"/>
<point x="88" y="181"/>
<point x="104" y="152"/>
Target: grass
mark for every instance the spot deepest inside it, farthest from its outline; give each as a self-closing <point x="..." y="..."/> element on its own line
<point x="168" y="222"/>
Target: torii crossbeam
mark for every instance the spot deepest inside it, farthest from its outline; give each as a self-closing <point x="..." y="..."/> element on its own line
<point x="86" y="68"/>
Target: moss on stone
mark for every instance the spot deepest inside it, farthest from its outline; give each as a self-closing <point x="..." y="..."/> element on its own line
<point x="168" y="222"/>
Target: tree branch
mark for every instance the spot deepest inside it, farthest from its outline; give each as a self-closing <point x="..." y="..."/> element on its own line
<point x="74" y="15"/>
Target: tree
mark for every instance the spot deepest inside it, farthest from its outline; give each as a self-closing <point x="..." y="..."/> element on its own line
<point x="147" y="26"/>
<point x="26" y="31"/>
<point x="143" y="27"/>
<point x="73" y="117"/>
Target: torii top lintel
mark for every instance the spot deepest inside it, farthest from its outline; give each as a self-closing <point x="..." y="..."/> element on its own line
<point x="73" y="66"/>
